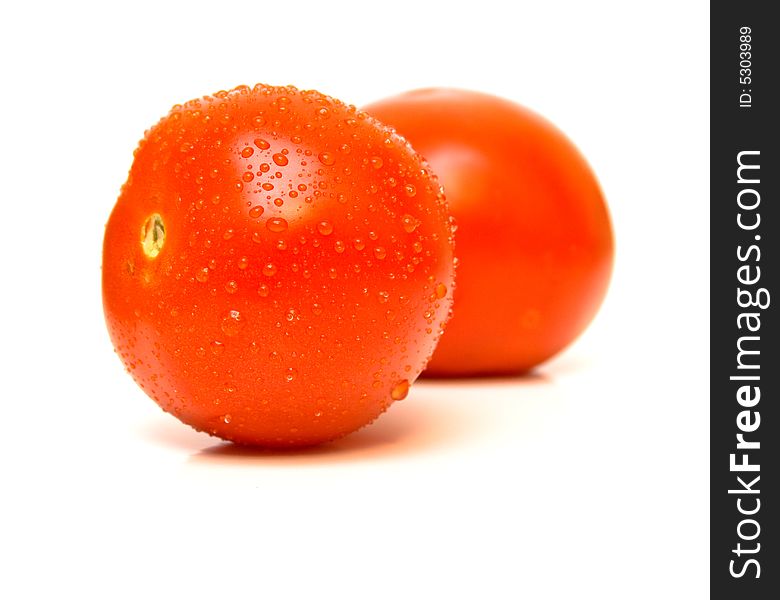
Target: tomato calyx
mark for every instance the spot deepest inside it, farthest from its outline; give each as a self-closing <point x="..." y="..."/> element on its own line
<point x="153" y="235"/>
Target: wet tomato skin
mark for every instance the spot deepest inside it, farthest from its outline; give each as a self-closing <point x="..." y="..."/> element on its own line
<point x="278" y="266"/>
<point x="534" y="240"/>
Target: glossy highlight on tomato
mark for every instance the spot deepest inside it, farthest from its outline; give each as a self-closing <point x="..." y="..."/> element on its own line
<point x="534" y="240"/>
<point x="278" y="266"/>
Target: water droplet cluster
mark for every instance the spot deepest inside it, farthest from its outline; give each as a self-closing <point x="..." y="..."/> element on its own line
<point x="306" y="274"/>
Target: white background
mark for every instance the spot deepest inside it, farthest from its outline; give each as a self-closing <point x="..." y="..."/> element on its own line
<point x="589" y="480"/>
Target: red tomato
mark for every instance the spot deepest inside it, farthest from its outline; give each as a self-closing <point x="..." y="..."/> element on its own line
<point x="278" y="266"/>
<point x="534" y="239"/>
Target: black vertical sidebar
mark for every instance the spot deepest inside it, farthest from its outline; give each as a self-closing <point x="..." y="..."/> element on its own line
<point x="745" y="335"/>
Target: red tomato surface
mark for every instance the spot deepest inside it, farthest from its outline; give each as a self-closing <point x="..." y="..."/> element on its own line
<point x="534" y="240"/>
<point x="278" y="266"/>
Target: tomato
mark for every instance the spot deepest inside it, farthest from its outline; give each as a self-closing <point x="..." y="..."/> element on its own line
<point x="278" y="266"/>
<point x="534" y="240"/>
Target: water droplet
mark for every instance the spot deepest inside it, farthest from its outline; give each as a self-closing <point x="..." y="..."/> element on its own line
<point x="376" y="162"/>
<point x="231" y="287"/>
<point x="316" y="309"/>
<point x="269" y="269"/>
<point x="226" y="419"/>
<point x="410" y="190"/>
<point x="243" y="263"/>
<point x="409" y="223"/>
<point x="232" y="323"/>
<point x="278" y="202"/>
<point x="327" y="158"/>
<point x="262" y="144"/>
<point x="263" y="290"/>
<point x="280" y="159"/>
<point x="202" y="275"/>
<point x="440" y="290"/>
<point x="383" y="297"/>
<point x="400" y="390"/>
<point x="380" y="253"/>
<point x="325" y="227"/>
<point x="256" y="211"/>
<point x="247" y="152"/>
<point x="359" y="244"/>
<point x="229" y="233"/>
<point x="267" y="186"/>
<point x="217" y="348"/>
<point x="290" y="374"/>
<point x="276" y="224"/>
<point x="339" y="246"/>
<point x="247" y="177"/>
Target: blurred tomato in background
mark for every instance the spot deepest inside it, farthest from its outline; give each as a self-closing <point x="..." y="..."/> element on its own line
<point x="534" y="240"/>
